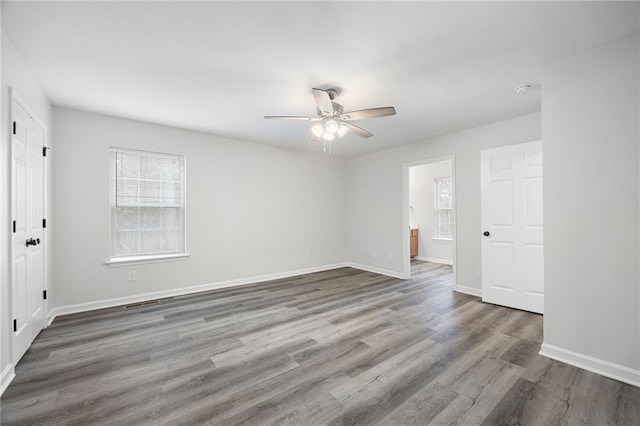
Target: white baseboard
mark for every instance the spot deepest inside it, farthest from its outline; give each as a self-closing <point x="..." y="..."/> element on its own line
<point x="375" y="270"/>
<point x="434" y="260"/>
<point x="595" y="365"/>
<point x="119" y="301"/>
<point x="51" y="315"/>
<point x="6" y="377"/>
<point x="109" y="303"/>
<point x="469" y="290"/>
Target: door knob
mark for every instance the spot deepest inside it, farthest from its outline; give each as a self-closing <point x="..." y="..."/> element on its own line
<point x="31" y="242"/>
<point x="486" y="233"/>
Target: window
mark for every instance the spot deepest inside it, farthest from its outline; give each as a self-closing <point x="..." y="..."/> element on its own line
<point x="147" y="205"/>
<point x="444" y="208"/>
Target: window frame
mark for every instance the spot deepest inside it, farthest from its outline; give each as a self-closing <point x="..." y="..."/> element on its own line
<point x="437" y="209"/>
<point x="114" y="260"/>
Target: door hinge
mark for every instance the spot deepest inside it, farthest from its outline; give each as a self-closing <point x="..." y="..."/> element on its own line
<point x="14" y="226"/>
<point x="14" y="127"/>
<point x="44" y="294"/>
<point x="44" y="223"/>
<point x="15" y="325"/>
<point x="44" y="151"/>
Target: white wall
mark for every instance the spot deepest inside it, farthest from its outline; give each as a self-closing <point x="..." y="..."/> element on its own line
<point x="252" y="209"/>
<point x="375" y="206"/>
<point x="16" y="74"/>
<point x="422" y="199"/>
<point x="591" y="196"/>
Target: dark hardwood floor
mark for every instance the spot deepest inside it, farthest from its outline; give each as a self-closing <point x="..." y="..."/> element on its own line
<point x="342" y="347"/>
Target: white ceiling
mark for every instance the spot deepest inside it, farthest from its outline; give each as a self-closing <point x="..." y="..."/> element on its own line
<point x="220" y="67"/>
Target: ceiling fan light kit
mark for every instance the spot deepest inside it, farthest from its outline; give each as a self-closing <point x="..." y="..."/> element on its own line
<point x="318" y="130"/>
<point x="331" y="126"/>
<point x="342" y="130"/>
<point x="333" y="121"/>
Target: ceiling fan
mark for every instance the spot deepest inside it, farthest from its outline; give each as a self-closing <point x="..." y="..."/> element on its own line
<point x="332" y="121"/>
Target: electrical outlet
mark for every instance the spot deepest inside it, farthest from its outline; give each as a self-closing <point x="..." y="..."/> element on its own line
<point x="131" y="276"/>
<point x="307" y="254"/>
<point x="374" y="254"/>
<point x="390" y="255"/>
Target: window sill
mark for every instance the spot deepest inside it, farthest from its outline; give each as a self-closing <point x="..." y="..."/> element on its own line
<point x="139" y="260"/>
<point x="442" y="239"/>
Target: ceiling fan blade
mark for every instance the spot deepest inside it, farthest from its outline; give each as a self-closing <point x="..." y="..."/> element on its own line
<point x="291" y="117"/>
<point x="368" y="113"/>
<point x="323" y="100"/>
<point x="358" y="130"/>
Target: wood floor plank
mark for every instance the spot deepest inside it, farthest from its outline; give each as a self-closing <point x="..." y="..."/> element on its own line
<point x="593" y="399"/>
<point x="422" y="407"/>
<point x="524" y="405"/>
<point x="337" y="347"/>
<point x="522" y="353"/>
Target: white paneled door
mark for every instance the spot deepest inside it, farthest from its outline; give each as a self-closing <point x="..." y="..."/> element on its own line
<point x="512" y="246"/>
<point x="27" y="205"/>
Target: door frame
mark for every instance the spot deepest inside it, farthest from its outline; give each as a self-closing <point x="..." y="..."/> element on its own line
<point x="13" y="96"/>
<point x="405" y="213"/>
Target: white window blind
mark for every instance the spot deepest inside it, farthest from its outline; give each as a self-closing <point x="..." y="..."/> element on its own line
<point x="444" y="208"/>
<point x="147" y="203"/>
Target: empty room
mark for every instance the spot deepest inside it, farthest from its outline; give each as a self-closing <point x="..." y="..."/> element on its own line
<point x="320" y="213"/>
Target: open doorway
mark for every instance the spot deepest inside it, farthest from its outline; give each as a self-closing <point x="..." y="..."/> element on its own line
<point x="429" y="200"/>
